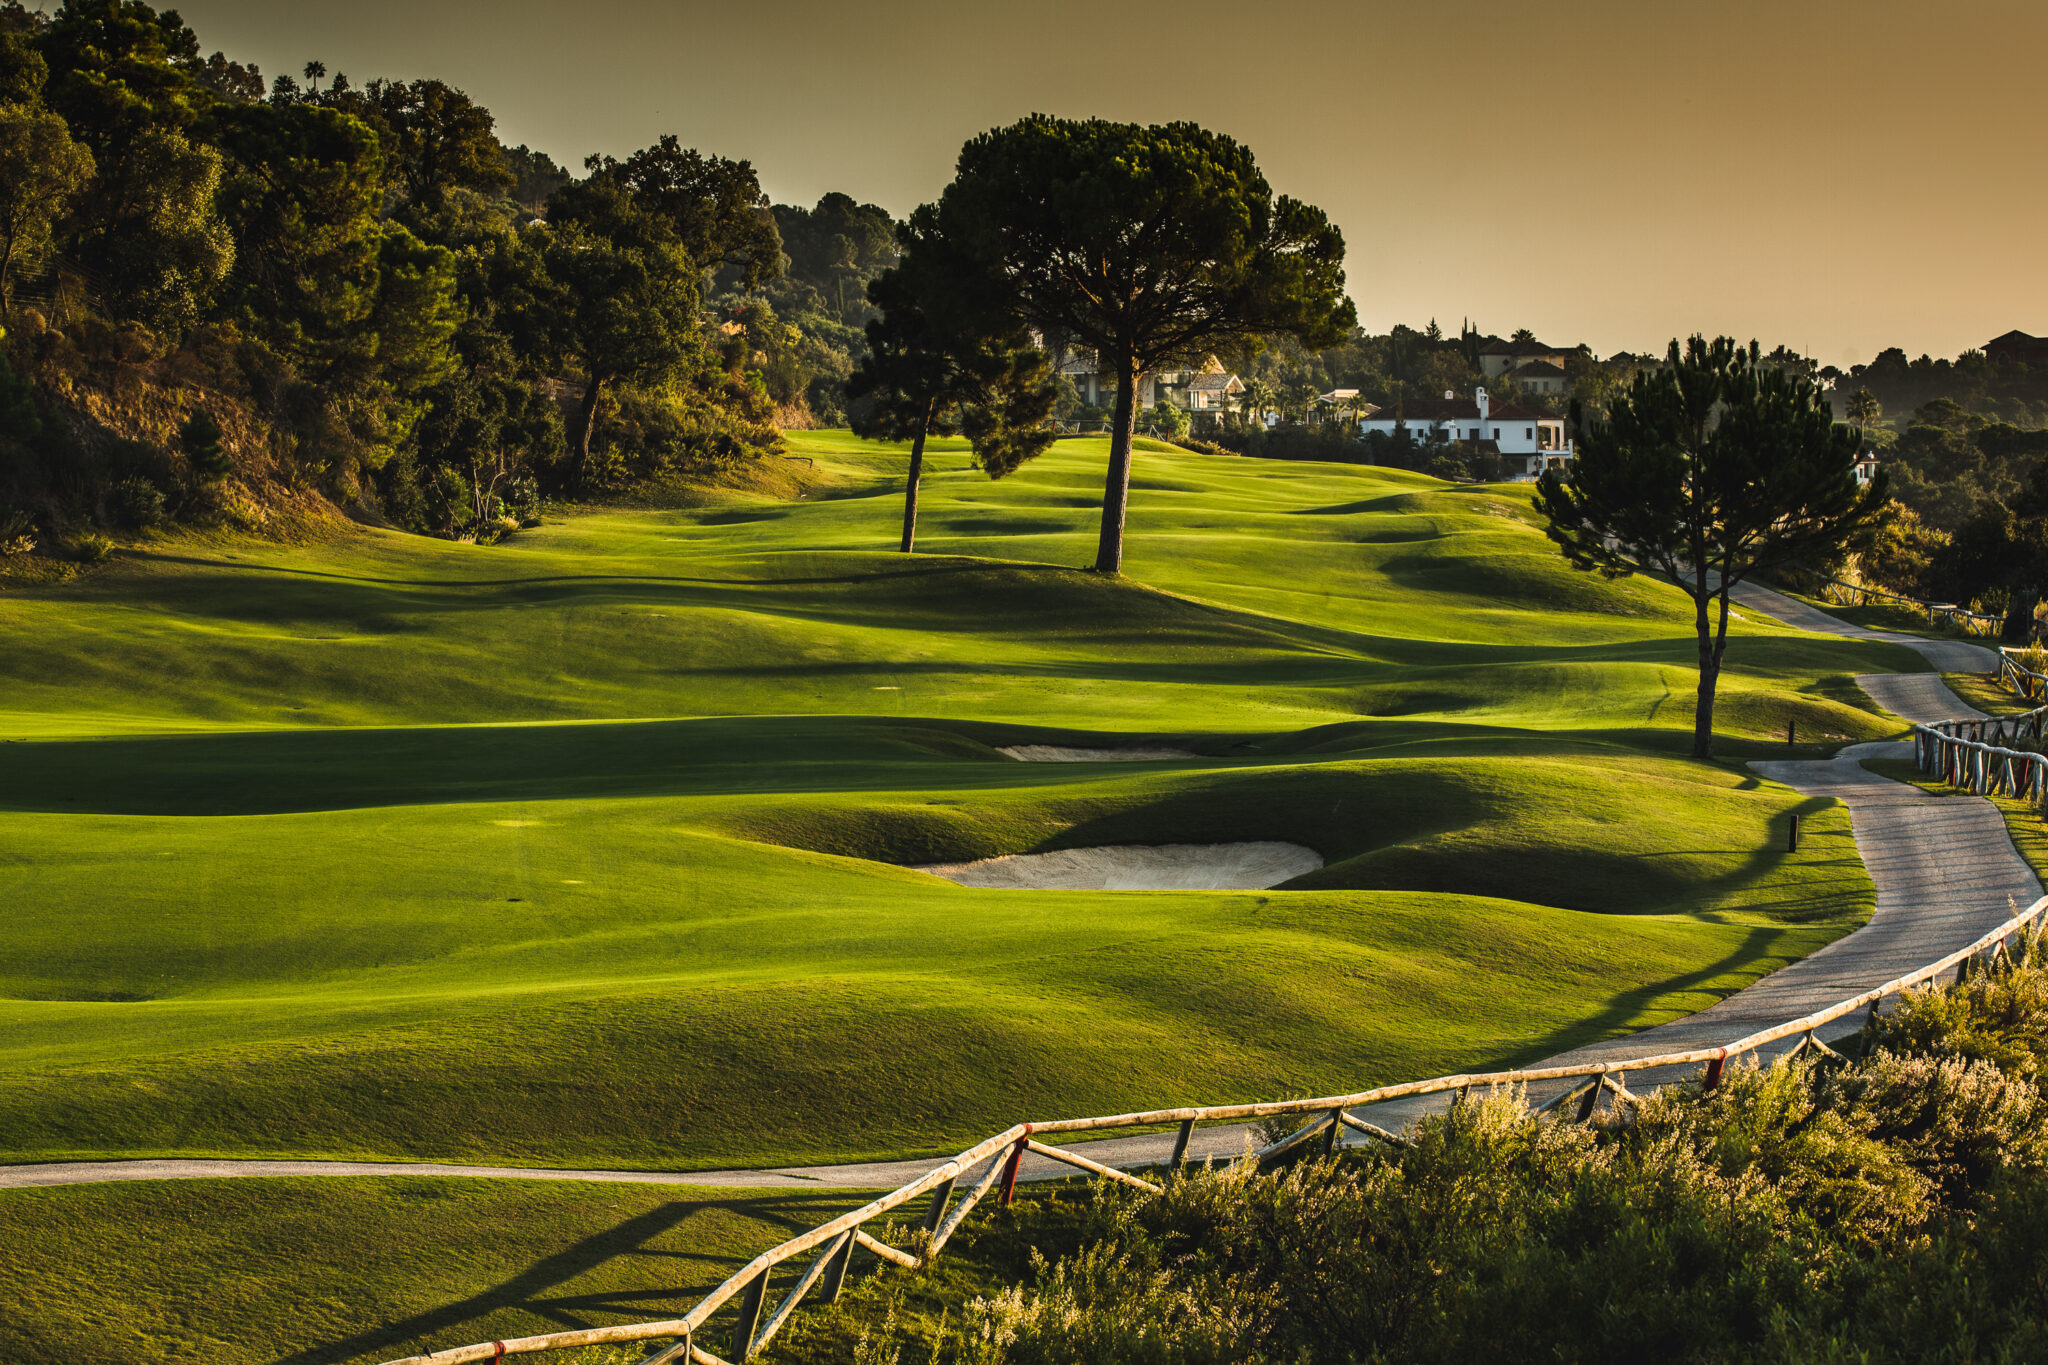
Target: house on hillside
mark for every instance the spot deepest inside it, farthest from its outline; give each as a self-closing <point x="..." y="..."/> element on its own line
<point x="1530" y="438"/>
<point x="1205" y="393"/>
<point x="1497" y="357"/>
<point x="1212" y="392"/>
<point x="1540" y="376"/>
<point x="2019" y="347"/>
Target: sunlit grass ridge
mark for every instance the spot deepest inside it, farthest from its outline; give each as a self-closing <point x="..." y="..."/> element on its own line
<point x="574" y="849"/>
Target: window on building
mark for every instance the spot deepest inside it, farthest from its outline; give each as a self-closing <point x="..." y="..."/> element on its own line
<point x="1528" y="432"/>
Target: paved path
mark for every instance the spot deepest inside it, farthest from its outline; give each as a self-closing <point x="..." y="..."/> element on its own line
<point x="1945" y="869"/>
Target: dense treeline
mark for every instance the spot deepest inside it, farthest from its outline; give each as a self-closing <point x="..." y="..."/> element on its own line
<point x="1893" y="1208"/>
<point x="2005" y="390"/>
<point x="218" y="292"/>
<point x="1972" y="510"/>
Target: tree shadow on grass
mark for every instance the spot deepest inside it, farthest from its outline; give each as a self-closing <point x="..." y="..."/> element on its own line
<point x="682" y="1275"/>
<point x="1612" y="1019"/>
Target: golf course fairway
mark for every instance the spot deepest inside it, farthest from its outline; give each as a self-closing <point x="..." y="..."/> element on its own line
<point x="593" y="847"/>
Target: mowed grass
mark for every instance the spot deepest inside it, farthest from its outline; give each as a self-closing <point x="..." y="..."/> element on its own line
<point x="579" y="848"/>
<point x="352" y="1271"/>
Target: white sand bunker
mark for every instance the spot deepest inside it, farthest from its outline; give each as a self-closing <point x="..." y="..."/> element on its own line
<point x="1056" y="753"/>
<point x="1140" y="867"/>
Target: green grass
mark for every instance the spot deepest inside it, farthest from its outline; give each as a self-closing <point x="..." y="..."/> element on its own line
<point x="353" y="1271"/>
<point x="576" y="848"/>
<point x="1982" y="690"/>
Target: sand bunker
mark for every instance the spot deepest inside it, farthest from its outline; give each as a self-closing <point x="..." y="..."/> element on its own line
<point x="1140" y="867"/>
<point x="1055" y="753"/>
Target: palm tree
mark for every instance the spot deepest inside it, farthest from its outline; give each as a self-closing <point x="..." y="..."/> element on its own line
<point x="1304" y="396"/>
<point x="1864" y="409"/>
<point x="1256" y="400"/>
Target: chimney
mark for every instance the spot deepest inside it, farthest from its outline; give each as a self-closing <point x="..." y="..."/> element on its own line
<point x="1484" y="404"/>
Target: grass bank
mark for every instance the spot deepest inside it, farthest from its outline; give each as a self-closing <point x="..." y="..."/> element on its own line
<point x="584" y="847"/>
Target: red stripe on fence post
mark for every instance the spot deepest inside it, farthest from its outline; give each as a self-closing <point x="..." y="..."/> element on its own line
<point x="1010" y="1170"/>
<point x="1713" y="1076"/>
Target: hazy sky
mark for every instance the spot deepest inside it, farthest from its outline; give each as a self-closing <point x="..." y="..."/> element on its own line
<point x="1835" y="176"/>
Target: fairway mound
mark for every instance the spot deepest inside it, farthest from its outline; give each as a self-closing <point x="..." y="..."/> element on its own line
<point x="1139" y="867"/>
<point x="1059" y="753"/>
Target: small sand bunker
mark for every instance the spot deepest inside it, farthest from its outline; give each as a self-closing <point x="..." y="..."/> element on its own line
<point x="1140" y="867"/>
<point x="1056" y="753"/>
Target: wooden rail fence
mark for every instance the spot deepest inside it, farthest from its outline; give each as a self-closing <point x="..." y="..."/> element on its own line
<point x="997" y="1159"/>
<point x="1938" y="613"/>
<point x="1971" y="755"/>
<point x="2018" y="679"/>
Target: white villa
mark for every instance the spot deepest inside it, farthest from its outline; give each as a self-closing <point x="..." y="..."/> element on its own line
<point x="1529" y="435"/>
<point x="1205" y="393"/>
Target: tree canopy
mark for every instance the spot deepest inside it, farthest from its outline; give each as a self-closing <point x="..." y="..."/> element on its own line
<point x="1148" y="245"/>
<point x="349" y="282"/>
<point x="1710" y="470"/>
<point x="935" y="367"/>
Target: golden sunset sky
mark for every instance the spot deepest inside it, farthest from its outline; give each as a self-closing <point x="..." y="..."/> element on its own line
<point x="1837" y="177"/>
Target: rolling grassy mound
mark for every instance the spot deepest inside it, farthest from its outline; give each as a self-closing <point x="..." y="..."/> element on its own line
<point x="577" y="848"/>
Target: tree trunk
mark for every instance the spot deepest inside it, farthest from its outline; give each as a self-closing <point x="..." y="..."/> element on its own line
<point x="6" y="270"/>
<point x="585" y="420"/>
<point x="1703" y="705"/>
<point x="910" y="488"/>
<point x="1713" y="645"/>
<point x="1116" y="487"/>
<point x="2019" y="616"/>
<point x="1703" y="708"/>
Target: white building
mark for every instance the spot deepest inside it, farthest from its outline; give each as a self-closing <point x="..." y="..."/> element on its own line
<point x="1206" y="393"/>
<point x="1522" y="434"/>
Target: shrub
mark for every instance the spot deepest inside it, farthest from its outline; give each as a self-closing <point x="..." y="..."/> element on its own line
<point x="17" y="532"/>
<point x="136" y="503"/>
<point x="90" y="547"/>
<point x="200" y="438"/>
<point x="1815" y="1209"/>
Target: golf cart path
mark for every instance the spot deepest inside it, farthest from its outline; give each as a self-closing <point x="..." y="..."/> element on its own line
<point x="1945" y="869"/>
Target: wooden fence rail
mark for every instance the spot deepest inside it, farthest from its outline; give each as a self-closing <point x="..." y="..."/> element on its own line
<point x="2018" y="679"/>
<point x="1971" y="755"/>
<point x="1938" y="613"/>
<point x="998" y="1158"/>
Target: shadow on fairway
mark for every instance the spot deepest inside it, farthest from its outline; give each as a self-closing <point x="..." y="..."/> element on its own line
<point x="542" y="1289"/>
<point x="1758" y="946"/>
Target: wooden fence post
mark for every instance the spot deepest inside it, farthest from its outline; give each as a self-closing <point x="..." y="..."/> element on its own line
<point x="751" y="1299"/>
<point x="835" y="1270"/>
<point x="1180" y="1144"/>
<point x="942" y="1195"/>
<point x="1863" y="1033"/>
<point x="1010" y="1172"/>
<point x="1792" y="846"/>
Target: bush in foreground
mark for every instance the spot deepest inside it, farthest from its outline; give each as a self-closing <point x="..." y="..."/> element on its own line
<point x="1891" y="1209"/>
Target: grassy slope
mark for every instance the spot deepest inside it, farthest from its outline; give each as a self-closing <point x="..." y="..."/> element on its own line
<point x="505" y="923"/>
<point x="327" y="1271"/>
